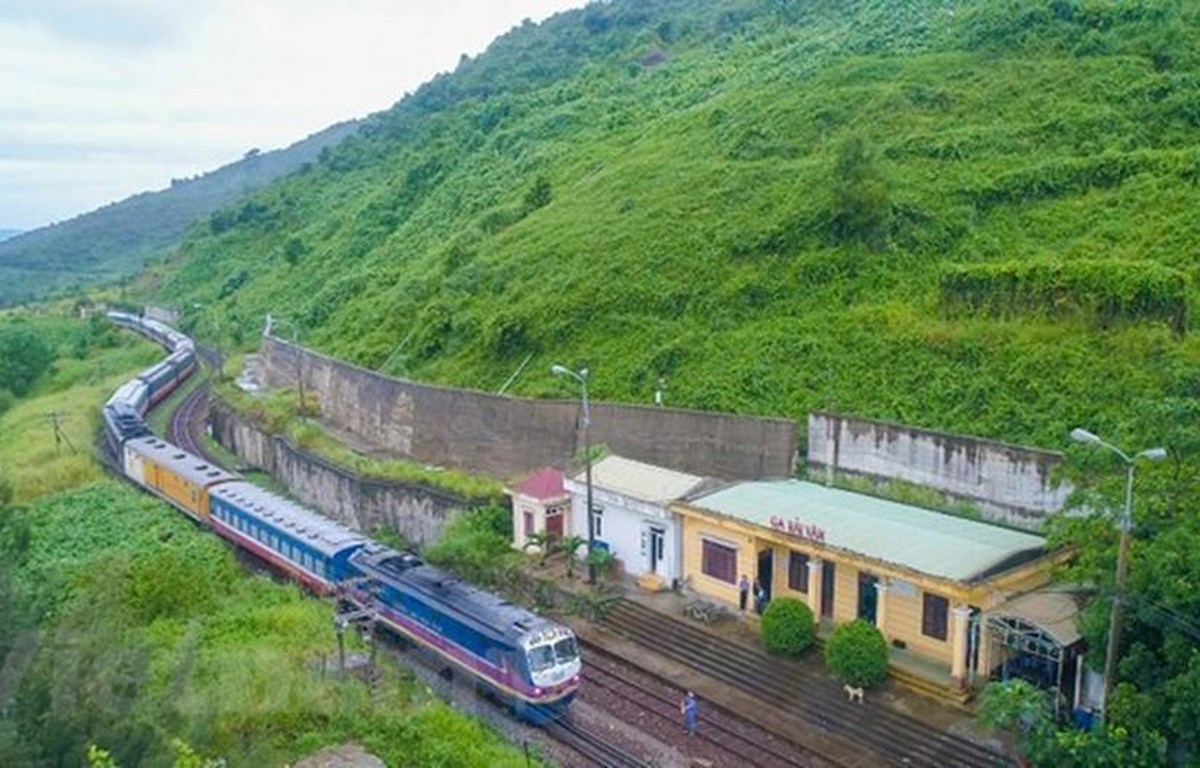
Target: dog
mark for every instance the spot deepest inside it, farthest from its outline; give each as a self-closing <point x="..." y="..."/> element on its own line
<point x="853" y="693"/>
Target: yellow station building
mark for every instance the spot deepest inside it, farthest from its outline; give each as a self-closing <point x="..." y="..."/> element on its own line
<point x="928" y="580"/>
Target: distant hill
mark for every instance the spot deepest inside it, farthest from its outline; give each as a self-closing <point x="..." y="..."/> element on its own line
<point x="117" y="240"/>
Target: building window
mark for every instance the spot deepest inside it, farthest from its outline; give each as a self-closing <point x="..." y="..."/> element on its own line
<point x="718" y="561"/>
<point x="597" y="522"/>
<point x="798" y="572"/>
<point x="934" y="616"/>
<point x="528" y="525"/>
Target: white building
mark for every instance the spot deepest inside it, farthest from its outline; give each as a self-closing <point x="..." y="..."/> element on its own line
<point x="630" y="517"/>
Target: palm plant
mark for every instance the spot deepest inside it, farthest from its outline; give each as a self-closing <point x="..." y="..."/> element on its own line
<point x="569" y="545"/>
<point x="541" y="540"/>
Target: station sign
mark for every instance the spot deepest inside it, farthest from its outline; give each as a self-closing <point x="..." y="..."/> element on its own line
<point x="798" y="527"/>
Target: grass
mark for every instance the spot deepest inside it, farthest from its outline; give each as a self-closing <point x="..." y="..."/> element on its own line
<point x="35" y="462"/>
<point x="151" y="631"/>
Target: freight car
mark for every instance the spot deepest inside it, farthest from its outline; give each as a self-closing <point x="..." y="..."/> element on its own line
<point x="174" y="474"/>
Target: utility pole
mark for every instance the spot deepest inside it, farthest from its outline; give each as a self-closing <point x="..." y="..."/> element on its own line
<point x="60" y="437"/>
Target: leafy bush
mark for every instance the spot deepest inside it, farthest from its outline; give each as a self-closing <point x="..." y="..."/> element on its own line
<point x="1107" y="288"/>
<point x="475" y="546"/>
<point x="857" y="653"/>
<point x="788" y="627"/>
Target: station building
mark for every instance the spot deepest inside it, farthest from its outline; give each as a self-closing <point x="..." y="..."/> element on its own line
<point x="929" y="581"/>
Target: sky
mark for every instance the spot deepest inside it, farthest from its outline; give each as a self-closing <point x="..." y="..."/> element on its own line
<point x="102" y="99"/>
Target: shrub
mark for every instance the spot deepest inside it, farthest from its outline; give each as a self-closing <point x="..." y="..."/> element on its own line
<point x="787" y="627"/>
<point x="857" y="653"/>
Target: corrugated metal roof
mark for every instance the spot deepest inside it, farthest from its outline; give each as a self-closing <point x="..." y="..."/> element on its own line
<point x="1054" y="611"/>
<point x="640" y="481"/>
<point x="912" y="537"/>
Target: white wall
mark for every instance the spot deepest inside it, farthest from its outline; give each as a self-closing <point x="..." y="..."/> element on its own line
<point x="626" y="529"/>
<point x="1007" y="483"/>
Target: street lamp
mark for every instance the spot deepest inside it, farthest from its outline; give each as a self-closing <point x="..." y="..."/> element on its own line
<point x="1114" y="625"/>
<point x="582" y="377"/>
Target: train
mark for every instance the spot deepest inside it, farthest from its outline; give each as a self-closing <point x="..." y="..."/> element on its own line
<point x="527" y="661"/>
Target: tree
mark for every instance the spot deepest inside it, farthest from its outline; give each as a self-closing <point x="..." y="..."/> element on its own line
<point x="862" y="207"/>
<point x="857" y="653"/>
<point x="788" y="627"/>
<point x="24" y="357"/>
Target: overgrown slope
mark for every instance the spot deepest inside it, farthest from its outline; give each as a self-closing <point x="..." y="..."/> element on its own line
<point x="117" y="240"/>
<point x="970" y="216"/>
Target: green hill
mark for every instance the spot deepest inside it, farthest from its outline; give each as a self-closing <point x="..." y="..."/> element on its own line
<point x="966" y="215"/>
<point x="959" y="215"/>
<point x="117" y="240"/>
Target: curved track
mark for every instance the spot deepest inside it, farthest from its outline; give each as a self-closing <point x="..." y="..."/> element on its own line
<point x="895" y="738"/>
<point x="188" y="421"/>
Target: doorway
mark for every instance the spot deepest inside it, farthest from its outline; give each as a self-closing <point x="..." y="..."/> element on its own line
<point x="868" y="596"/>
<point x="828" y="576"/>
<point x="766" y="567"/>
<point x="657" y="538"/>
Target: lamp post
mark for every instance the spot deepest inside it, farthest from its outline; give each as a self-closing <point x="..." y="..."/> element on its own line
<point x="1115" y="618"/>
<point x="582" y="377"/>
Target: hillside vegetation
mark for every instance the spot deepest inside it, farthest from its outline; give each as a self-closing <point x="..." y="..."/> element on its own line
<point x="965" y="215"/>
<point x="117" y="240"/>
<point x="968" y="216"/>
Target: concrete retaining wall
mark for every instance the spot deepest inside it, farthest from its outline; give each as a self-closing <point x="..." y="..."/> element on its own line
<point x="1007" y="483"/>
<point x="417" y="512"/>
<point x="509" y="436"/>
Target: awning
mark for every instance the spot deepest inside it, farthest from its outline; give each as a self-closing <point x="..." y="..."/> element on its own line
<point x="1053" y="610"/>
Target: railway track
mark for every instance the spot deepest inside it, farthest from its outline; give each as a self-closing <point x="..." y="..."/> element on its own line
<point x="895" y="738"/>
<point x="188" y="420"/>
<point x="592" y="746"/>
<point x="735" y="740"/>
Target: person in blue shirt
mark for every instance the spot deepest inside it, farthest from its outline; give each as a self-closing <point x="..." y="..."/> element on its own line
<point x="688" y="709"/>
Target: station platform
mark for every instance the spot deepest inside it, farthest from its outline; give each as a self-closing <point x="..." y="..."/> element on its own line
<point x="918" y="689"/>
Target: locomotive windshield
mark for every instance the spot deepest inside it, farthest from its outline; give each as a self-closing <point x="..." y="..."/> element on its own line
<point x="541" y="658"/>
<point x="566" y="650"/>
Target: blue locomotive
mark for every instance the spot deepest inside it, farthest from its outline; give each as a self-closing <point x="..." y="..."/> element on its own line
<point x="529" y="661"/>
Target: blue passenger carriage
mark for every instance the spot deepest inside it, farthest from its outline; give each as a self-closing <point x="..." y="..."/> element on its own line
<point x="297" y="541"/>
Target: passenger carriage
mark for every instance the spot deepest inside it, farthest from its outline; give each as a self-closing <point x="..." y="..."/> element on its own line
<point x="297" y="541"/>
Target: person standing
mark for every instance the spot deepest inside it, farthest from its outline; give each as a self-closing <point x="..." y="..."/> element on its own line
<point x="688" y="709"/>
<point x="760" y="597"/>
<point x="743" y="593"/>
